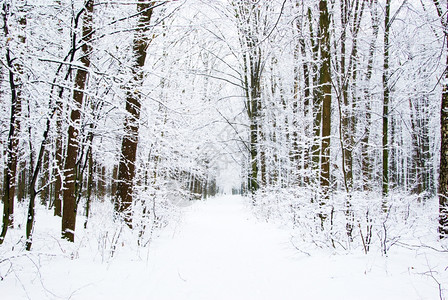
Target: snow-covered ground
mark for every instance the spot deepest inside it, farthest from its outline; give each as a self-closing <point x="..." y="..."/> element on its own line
<point x="219" y="251"/>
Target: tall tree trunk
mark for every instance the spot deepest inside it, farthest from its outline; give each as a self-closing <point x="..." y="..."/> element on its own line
<point x="325" y="95"/>
<point x="70" y="168"/>
<point x="59" y="145"/>
<point x="254" y="139"/>
<point x="366" y="161"/>
<point x="386" y="95"/>
<point x="307" y="110"/>
<point x="295" y="153"/>
<point x="126" y="169"/>
<point x="443" y="176"/>
<point x="351" y="14"/>
<point x="15" y="83"/>
<point x="346" y="132"/>
<point x="300" y="50"/>
<point x="34" y="173"/>
<point x="248" y="15"/>
<point x="317" y="99"/>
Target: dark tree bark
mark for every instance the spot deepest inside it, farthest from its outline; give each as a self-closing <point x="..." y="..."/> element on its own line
<point x="126" y="169"/>
<point x="443" y="175"/>
<point x="325" y="95"/>
<point x="89" y="180"/>
<point x="248" y="15"/>
<point x="60" y="166"/>
<point x="59" y="146"/>
<point x="300" y="50"/>
<point x="344" y="101"/>
<point x="21" y="184"/>
<point x="417" y="159"/>
<point x="351" y="15"/>
<point x="350" y="20"/>
<point x="366" y="161"/>
<point x="70" y="168"/>
<point x="15" y="73"/>
<point x="317" y="99"/>
<point x="114" y="181"/>
<point x="386" y="95"/>
<point x="34" y="173"/>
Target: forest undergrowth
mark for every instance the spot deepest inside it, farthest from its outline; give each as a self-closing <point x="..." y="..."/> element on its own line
<point x="366" y="226"/>
<point x="405" y="230"/>
<point x="403" y="239"/>
<point x="101" y="239"/>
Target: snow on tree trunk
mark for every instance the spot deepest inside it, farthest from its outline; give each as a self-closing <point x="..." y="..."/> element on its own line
<point x="15" y="67"/>
<point x="325" y="95"/>
<point x="126" y="169"/>
<point x="70" y="168"/>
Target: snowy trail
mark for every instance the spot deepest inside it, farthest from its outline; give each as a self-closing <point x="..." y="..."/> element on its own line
<point x="223" y="252"/>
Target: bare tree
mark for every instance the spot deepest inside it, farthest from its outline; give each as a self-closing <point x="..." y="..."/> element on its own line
<point x="386" y="100"/>
<point x="15" y="67"/>
<point x="366" y="159"/>
<point x="126" y="169"/>
<point x="443" y="175"/>
<point x="58" y="147"/>
<point x="70" y="168"/>
<point x="325" y="94"/>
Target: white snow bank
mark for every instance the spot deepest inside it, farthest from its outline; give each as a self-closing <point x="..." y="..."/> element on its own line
<point x="220" y="251"/>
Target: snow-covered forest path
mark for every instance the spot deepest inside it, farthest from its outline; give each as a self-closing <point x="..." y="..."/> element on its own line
<point x="222" y="252"/>
<point x="219" y="250"/>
